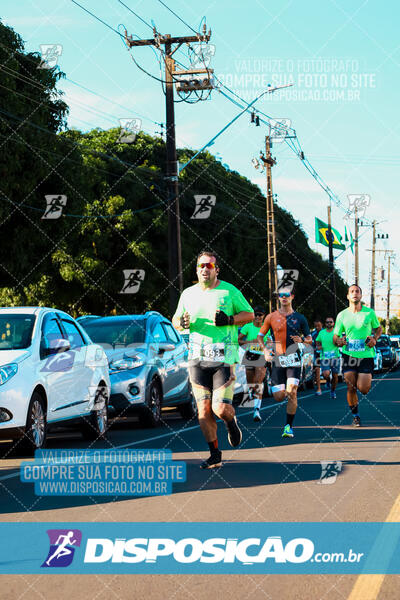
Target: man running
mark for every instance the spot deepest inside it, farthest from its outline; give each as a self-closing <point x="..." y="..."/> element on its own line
<point x="288" y="328"/>
<point x="213" y="310"/>
<point x="254" y="360"/>
<point x="330" y="355"/>
<point x="361" y="330"/>
<point x="317" y="357"/>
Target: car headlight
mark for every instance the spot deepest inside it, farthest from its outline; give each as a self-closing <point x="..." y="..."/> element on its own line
<point x="126" y="363"/>
<point x="7" y="371"/>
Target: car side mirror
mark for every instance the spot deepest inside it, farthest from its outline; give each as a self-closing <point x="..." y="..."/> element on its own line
<point x="165" y="347"/>
<point x="56" y="347"/>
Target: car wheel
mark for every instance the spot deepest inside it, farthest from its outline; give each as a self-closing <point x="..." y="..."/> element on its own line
<point x="95" y="425"/>
<point x="189" y="409"/>
<point x="36" y="425"/>
<point x="151" y="413"/>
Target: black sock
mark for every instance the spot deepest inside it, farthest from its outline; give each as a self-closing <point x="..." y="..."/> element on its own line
<point x="354" y="409"/>
<point x="213" y="447"/>
<point x="289" y="419"/>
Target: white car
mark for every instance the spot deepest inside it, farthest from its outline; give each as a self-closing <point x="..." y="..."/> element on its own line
<point x="51" y="373"/>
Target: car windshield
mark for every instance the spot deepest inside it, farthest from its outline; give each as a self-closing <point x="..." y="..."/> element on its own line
<point x="383" y="341"/>
<point x="116" y="332"/>
<point x="16" y="331"/>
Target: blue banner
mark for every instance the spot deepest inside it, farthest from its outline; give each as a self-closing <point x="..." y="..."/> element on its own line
<point x="200" y="548"/>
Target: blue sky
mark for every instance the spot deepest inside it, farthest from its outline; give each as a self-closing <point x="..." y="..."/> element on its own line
<point x="342" y="57"/>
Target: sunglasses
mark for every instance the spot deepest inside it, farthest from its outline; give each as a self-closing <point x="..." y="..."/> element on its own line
<point x="284" y="295"/>
<point x="258" y="314"/>
<point x="209" y="265"/>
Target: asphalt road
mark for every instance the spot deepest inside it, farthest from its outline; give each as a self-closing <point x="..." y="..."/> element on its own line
<point x="266" y="479"/>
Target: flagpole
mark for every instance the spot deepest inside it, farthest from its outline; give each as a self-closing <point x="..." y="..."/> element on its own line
<point x="331" y="263"/>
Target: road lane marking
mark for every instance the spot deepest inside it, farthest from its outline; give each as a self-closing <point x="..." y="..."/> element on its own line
<point x="367" y="587"/>
<point x="178" y="432"/>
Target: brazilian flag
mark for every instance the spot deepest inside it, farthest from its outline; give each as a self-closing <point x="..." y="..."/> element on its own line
<point x="322" y="235"/>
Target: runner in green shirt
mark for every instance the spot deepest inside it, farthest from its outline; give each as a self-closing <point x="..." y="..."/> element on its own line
<point x="254" y="360"/>
<point x="212" y="310"/>
<point x="329" y="355"/>
<point x="360" y="328"/>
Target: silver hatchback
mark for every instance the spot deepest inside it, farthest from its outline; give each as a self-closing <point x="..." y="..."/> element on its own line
<point x="148" y="364"/>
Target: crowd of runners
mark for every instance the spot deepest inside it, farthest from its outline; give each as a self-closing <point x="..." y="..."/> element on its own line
<point x="214" y="310"/>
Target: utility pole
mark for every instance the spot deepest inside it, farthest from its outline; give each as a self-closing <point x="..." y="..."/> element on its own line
<point x="331" y="262"/>
<point x="389" y="257"/>
<point x="372" y="301"/>
<point x="174" y="234"/>
<point x="356" y="268"/>
<point x="269" y="162"/>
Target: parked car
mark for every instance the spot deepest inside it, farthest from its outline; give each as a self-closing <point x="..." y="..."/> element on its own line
<point x="148" y="365"/>
<point x="395" y="343"/>
<point x="378" y="362"/>
<point x="386" y="349"/>
<point x="51" y="374"/>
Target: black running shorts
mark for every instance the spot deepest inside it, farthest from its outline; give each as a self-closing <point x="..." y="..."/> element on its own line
<point x="358" y="365"/>
<point x="281" y="376"/>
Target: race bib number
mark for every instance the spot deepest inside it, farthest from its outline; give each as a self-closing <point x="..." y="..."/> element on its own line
<point x="355" y="345"/>
<point x="213" y="352"/>
<point x="255" y="348"/>
<point x="330" y="354"/>
<point x="292" y="360"/>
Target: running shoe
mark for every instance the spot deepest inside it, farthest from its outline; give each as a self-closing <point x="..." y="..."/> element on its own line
<point x="256" y="415"/>
<point x="356" y="421"/>
<point x="213" y="461"/>
<point x="318" y="393"/>
<point x="333" y="395"/>
<point x="288" y="432"/>
<point x="234" y="433"/>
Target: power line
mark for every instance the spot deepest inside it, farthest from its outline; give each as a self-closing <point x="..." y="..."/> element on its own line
<point x="97" y="18"/>
<point x="177" y="16"/>
<point x="35" y="83"/>
<point x="136" y="15"/>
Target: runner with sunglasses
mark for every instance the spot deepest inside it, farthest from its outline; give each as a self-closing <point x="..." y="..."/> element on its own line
<point x="289" y="328"/>
<point x="213" y="309"/>
<point x="254" y="360"/>
<point x="330" y="355"/>
<point x="361" y="330"/>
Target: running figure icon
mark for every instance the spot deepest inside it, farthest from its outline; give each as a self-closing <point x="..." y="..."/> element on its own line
<point x="62" y="549"/>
